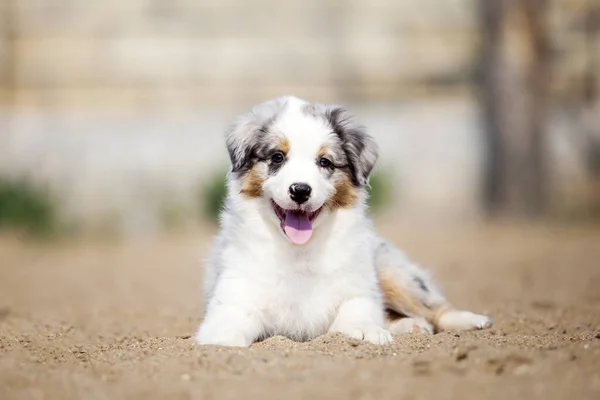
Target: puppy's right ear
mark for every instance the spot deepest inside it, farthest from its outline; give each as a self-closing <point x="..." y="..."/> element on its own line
<point x="247" y="135"/>
<point x="239" y="144"/>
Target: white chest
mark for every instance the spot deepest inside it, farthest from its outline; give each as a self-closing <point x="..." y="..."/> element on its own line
<point x="299" y="305"/>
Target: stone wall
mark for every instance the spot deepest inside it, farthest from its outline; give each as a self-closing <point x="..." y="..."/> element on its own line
<point x="172" y="53"/>
<point x="148" y="53"/>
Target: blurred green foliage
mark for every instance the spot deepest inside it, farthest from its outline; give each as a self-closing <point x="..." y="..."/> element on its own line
<point x="26" y="208"/>
<point x="213" y="193"/>
<point x="380" y="191"/>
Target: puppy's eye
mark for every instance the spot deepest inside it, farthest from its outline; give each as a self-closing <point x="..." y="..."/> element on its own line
<point x="277" y="158"/>
<point x="324" y="162"/>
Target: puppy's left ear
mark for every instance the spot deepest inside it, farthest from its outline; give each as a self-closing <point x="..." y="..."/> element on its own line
<point x="360" y="148"/>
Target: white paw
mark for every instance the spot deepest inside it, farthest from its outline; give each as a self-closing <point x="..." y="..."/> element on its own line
<point x="483" y="322"/>
<point x="222" y="337"/>
<point x="463" y="321"/>
<point x="411" y="325"/>
<point x="374" y="334"/>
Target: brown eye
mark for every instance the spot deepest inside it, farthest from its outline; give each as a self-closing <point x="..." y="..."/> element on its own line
<point x="325" y="163"/>
<point x="277" y="158"/>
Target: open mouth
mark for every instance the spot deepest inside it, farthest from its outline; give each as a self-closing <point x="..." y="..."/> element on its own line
<point x="296" y="224"/>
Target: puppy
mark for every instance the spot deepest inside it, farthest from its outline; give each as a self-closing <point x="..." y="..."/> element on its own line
<point x="297" y="254"/>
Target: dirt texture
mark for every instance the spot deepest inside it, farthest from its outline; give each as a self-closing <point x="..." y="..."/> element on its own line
<point x="109" y="321"/>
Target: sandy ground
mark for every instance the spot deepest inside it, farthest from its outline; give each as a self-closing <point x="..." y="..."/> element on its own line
<point x="106" y="321"/>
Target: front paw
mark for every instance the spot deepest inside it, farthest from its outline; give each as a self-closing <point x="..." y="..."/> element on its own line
<point x="373" y="334"/>
<point x="222" y="337"/>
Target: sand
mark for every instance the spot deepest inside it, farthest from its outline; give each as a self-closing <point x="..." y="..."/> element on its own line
<point x="114" y="320"/>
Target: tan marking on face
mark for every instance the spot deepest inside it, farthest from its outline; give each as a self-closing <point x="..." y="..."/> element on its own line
<point x="322" y="152"/>
<point x="344" y="196"/>
<point x="284" y="145"/>
<point x="252" y="184"/>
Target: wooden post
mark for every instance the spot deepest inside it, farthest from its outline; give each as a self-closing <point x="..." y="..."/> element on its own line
<point x="513" y="83"/>
<point x="591" y="86"/>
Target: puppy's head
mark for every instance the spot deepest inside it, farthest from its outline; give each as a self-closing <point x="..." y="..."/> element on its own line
<point x="302" y="160"/>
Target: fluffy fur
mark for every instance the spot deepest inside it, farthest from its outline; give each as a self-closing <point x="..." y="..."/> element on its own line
<point x="265" y="277"/>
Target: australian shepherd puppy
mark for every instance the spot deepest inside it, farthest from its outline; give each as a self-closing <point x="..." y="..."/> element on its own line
<point x="297" y="254"/>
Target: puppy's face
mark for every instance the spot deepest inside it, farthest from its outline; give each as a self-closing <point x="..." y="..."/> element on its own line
<point x="301" y="160"/>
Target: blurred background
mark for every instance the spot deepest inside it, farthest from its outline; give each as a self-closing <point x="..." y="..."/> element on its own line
<point x="112" y="112"/>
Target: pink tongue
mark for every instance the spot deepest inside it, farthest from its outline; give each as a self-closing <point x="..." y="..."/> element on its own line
<point x="297" y="227"/>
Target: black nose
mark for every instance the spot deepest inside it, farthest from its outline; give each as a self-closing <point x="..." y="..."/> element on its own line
<point x="300" y="192"/>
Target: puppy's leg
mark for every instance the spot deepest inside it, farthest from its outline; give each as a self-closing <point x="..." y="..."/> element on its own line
<point x="457" y="320"/>
<point x="409" y="291"/>
<point x="226" y="325"/>
<point x="361" y="318"/>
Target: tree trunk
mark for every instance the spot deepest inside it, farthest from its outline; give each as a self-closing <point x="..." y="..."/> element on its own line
<point x="591" y="86"/>
<point x="513" y="89"/>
